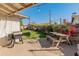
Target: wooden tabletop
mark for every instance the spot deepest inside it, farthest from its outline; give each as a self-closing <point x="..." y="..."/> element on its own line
<point x="59" y="34"/>
<point x="17" y="33"/>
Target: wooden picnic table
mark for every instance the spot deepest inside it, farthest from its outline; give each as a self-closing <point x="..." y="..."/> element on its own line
<point x="61" y="36"/>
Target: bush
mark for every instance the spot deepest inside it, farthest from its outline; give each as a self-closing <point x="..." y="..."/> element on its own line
<point x="30" y="34"/>
<point x="59" y="28"/>
<point x="41" y="27"/>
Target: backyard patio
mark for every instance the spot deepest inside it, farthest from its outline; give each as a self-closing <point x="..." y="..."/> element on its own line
<point x="24" y="49"/>
<point x="46" y="39"/>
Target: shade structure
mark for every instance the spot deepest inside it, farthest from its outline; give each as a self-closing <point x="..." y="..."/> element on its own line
<point x="11" y="8"/>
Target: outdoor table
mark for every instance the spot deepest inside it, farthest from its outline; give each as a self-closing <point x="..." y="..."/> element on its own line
<point x="61" y="36"/>
<point x="18" y="35"/>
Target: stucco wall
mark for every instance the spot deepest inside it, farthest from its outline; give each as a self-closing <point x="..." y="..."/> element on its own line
<point x="9" y="25"/>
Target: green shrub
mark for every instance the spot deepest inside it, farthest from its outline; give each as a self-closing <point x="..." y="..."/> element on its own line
<point x="30" y="34"/>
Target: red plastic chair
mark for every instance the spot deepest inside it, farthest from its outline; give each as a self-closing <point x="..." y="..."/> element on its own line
<point x="73" y="31"/>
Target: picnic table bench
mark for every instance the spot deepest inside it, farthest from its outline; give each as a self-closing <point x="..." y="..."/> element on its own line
<point x="58" y="38"/>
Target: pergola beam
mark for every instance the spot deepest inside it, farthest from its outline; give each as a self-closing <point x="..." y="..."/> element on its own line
<point x="22" y="4"/>
<point x="3" y="12"/>
<point x="26" y="6"/>
<point x="5" y="8"/>
<point x="10" y="6"/>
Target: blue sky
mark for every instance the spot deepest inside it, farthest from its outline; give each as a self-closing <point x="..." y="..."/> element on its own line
<point x="40" y="13"/>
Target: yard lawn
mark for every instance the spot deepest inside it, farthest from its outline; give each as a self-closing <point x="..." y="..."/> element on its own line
<point x="30" y="34"/>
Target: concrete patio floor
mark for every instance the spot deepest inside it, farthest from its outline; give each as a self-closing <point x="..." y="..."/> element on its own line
<point x="23" y="49"/>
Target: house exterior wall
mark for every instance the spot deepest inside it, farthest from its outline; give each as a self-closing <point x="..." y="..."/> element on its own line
<point x="8" y="25"/>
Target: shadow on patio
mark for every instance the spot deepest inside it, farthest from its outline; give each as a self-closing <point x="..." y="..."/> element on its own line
<point x="63" y="47"/>
<point x="44" y="43"/>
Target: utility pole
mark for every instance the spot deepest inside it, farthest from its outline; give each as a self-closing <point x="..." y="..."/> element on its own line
<point x="73" y="14"/>
<point x="29" y="20"/>
<point x="60" y="21"/>
<point x="49" y="17"/>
